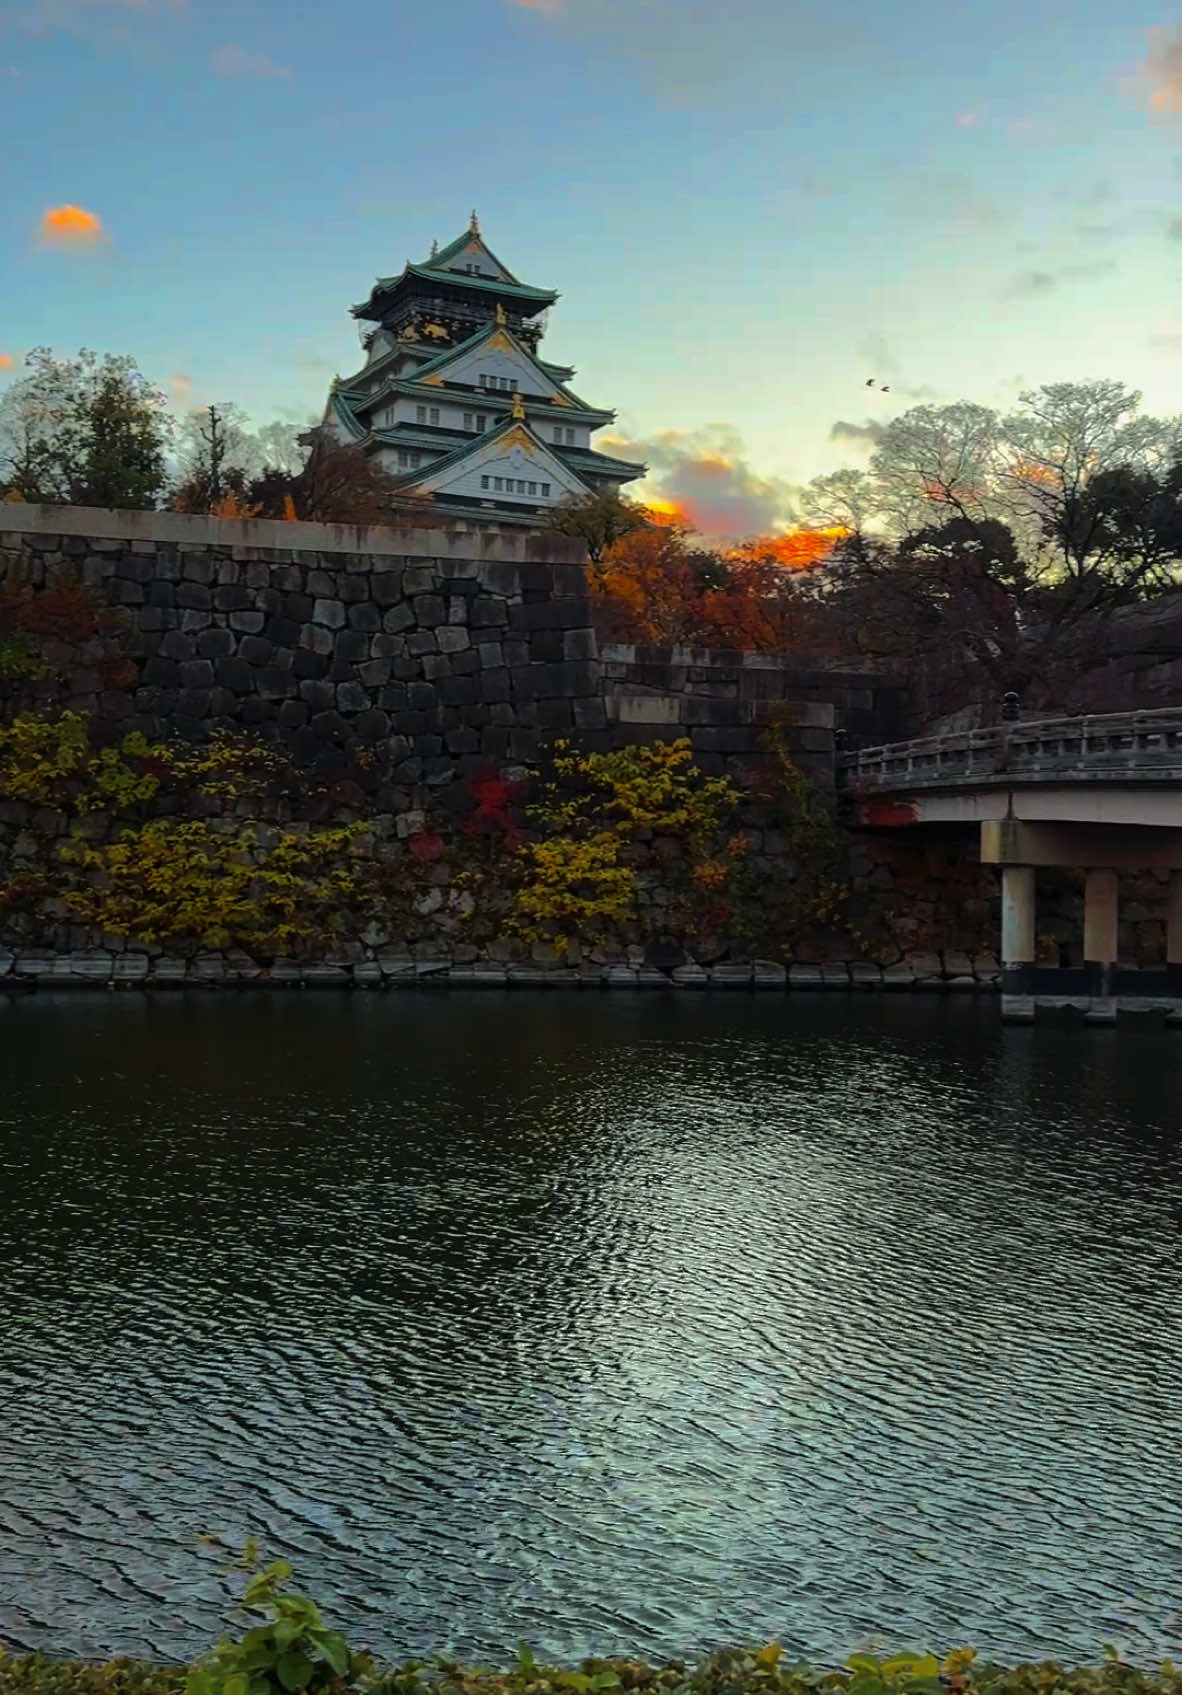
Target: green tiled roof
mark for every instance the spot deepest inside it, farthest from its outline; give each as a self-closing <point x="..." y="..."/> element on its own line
<point x="439" y="260"/>
<point x="484" y="285"/>
<point x="580" y="459"/>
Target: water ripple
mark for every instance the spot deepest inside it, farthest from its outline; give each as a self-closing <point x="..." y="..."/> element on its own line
<point x="617" y="1324"/>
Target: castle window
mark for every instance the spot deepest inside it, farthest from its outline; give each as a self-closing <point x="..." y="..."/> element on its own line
<point x="497" y="483"/>
<point x="480" y="420"/>
<point x="484" y="482"/>
<point x="546" y="490"/>
<point x="558" y="435"/>
<point x="420" y="414"/>
<point x="570" y="438"/>
<point x="533" y="488"/>
<point x="434" y="414"/>
<point x="467" y="420"/>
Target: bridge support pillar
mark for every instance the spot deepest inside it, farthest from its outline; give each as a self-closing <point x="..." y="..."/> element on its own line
<point x="1100" y="929"/>
<point x="1017" y="915"/>
<point x="1174" y="921"/>
<point x="1017" y="942"/>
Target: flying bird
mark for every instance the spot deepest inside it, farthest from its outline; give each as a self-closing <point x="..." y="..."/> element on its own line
<point x="869" y="382"/>
<point x="886" y="388"/>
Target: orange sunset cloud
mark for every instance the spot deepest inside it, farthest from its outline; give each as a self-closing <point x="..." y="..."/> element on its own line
<point x="70" y="226"/>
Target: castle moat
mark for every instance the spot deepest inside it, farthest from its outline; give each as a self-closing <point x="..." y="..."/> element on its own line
<point x="614" y="1323"/>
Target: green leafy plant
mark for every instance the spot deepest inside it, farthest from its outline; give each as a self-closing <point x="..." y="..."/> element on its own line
<point x="292" y="1651"/>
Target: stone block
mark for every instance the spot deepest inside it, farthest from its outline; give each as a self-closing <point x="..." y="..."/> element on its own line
<point x="452" y="638"/>
<point x="767" y="974"/>
<point x="330" y="613"/>
<point x="351" y="697"/>
<point x="731" y="975"/>
<point x="804" y="976"/>
<point x="249" y="623"/>
<point x="488" y="614"/>
<point x="421" y="641"/>
<point x="322" y="976"/>
<point x="865" y="974"/>
<point x="690" y="977"/>
<point x="130" y="967"/>
<point x="646" y="709"/>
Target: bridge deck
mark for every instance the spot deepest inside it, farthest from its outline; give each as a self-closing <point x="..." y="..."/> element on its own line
<point x="1116" y="748"/>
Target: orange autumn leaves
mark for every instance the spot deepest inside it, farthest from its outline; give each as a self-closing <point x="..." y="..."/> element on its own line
<point x="654" y="586"/>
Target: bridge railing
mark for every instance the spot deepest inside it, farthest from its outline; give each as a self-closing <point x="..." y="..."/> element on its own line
<point x="1133" y="746"/>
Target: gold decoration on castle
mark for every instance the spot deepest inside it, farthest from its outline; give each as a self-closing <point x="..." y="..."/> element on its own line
<point x="560" y="400"/>
<point x="409" y="333"/>
<point x="498" y="341"/>
<point x="522" y="439"/>
<point x="436" y="332"/>
<point x="501" y="318"/>
<point x="518" y="411"/>
<point x="433" y="382"/>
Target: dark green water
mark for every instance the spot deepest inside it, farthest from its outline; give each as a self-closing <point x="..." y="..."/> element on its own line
<point x="615" y="1323"/>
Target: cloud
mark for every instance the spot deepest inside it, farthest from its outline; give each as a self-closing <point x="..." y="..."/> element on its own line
<point x="950" y="199"/>
<point x="232" y="60"/>
<point x="697" y="54"/>
<point x="70" y="226"/>
<point x="705" y="473"/>
<point x="41" y="17"/>
<point x="1157" y="81"/>
<point x="6" y="361"/>
<point x="867" y="435"/>
<point x="1033" y="284"/>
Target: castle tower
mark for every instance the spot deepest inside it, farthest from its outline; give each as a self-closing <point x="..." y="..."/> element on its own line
<point x="454" y="399"/>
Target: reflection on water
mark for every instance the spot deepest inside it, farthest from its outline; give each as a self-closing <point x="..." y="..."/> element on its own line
<point x="620" y="1324"/>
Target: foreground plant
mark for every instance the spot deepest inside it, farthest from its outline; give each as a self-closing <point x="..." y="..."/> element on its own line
<point x="292" y="1651"/>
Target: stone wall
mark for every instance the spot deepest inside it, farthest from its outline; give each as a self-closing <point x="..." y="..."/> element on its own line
<point x="722" y="700"/>
<point x="442" y="655"/>
<point x="447" y="651"/>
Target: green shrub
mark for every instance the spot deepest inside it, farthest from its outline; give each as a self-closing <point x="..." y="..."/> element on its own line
<point x="292" y="1652"/>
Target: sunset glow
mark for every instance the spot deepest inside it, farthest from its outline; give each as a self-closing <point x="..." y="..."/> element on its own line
<point x="70" y="226"/>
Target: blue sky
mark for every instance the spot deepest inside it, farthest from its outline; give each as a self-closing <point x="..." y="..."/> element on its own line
<point x="748" y="206"/>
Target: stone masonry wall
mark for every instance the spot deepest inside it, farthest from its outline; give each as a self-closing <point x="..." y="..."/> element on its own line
<point x="447" y="653"/>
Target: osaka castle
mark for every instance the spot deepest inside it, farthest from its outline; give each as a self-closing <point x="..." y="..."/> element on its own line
<point x="454" y="400"/>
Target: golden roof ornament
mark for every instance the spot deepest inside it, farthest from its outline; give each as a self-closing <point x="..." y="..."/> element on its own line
<point x="518" y="411"/>
<point x="501" y="318"/>
<point x="474" y="223"/>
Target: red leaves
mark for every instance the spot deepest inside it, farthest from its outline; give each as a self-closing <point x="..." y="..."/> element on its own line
<point x="427" y="846"/>
<point x="490" y="815"/>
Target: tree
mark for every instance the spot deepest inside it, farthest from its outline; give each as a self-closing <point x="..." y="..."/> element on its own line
<point x="991" y="551"/>
<point x="84" y="432"/>
<point x="601" y="520"/>
<point x="337" y="484"/>
<point x="216" y="455"/>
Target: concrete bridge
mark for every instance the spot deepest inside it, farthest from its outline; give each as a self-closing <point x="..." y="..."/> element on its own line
<point x="1102" y="794"/>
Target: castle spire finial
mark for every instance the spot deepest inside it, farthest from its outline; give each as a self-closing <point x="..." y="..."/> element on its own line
<point x="434" y="250"/>
<point x="474" y="223"/>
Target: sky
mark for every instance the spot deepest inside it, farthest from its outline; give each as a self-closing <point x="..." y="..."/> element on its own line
<point x="749" y="207"/>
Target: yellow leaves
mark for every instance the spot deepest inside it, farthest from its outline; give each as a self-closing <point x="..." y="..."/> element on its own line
<point x="580" y="877"/>
<point x="214" y="882"/>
